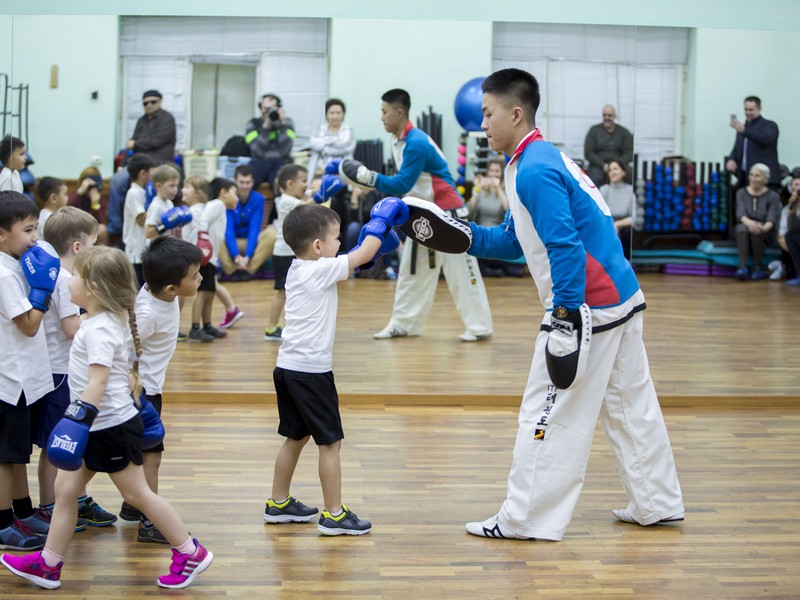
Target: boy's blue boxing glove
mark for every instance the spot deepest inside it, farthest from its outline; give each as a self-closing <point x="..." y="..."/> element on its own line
<point x="177" y="216"/>
<point x="331" y="185"/>
<point x="332" y="168"/>
<point x="380" y="230"/>
<point x="153" y="427"/>
<point x="40" y="265"/>
<point x="392" y="211"/>
<point x="67" y="441"/>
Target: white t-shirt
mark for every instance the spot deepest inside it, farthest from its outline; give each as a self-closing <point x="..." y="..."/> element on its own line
<point x="216" y="218"/>
<point x="190" y="230"/>
<point x="312" y="302"/>
<point x="157" y="322"/>
<point x="157" y="208"/>
<point x="101" y="341"/>
<point x="133" y="234"/>
<point x="44" y="214"/>
<point x="10" y="180"/>
<point x="61" y="306"/>
<point x="21" y="366"/>
<point x="284" y="205"/>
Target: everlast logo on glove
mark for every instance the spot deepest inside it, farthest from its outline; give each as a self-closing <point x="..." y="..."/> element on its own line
<point x="64" y="443"/>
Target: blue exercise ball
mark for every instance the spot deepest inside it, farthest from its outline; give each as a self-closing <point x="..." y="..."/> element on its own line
<point x="468" y="105"/>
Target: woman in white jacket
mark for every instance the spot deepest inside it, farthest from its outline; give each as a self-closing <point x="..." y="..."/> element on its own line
<point x="333" y="139"/>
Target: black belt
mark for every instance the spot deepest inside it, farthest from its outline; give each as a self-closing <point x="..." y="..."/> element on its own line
<point x="605" y="327"/>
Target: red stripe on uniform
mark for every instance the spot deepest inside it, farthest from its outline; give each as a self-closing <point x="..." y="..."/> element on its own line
<point x="444" y="195"/>
<point x="600" y="289"/>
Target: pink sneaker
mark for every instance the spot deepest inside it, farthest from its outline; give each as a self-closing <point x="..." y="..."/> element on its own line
<point x="33" y="568"/>
<point x="231" y="316"/>
<point x="185" y="567"/>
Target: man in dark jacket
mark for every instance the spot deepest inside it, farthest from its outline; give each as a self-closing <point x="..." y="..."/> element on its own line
<point x="756" y="142"/>
<point x="605" y="142"/>
<point x="155" y="131"/>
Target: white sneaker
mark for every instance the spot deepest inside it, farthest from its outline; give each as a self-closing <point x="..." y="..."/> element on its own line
<point x="390" y="332"/>
<point x="623" y="514"/>
<point x="774" y="264"/>
<point x="492" y="528"/>
<point x="778" y="272"/>
<point x="471" y="337"/>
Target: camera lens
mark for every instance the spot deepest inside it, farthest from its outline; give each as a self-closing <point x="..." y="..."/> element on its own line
<point x="274" y="114"/>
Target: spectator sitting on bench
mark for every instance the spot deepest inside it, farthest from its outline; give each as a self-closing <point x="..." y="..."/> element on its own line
<point x="758" y="209"/>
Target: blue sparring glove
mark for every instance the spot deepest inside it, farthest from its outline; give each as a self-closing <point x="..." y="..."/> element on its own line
<point x="332" y="168"/>
<point x="176" y="216"/>
<point x="40" y="265"/>
<point x="153" y="427"/>
<point x="331" y="185"/>
<point x="149" y="194"/>
<point x="67" y="442"/>
<point x="392" y="211"/>
<point x="382" y="231"/>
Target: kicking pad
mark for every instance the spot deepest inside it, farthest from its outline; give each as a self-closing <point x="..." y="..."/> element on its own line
<point x="430" y="226"/>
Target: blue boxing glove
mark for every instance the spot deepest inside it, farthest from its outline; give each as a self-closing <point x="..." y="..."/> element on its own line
<point x="176" y="216"/>
<point x="41" y="265"/>
<point x="67" y="441"/>
<point x="332" y="168"/>
<point x="379" y="229"/>
<point x="153" y="427"/>
<point x="331" y="185"/>
<point x="392" y="211"/>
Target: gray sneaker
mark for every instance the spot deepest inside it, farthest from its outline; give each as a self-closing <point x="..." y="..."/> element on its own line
<point x="150" y="533"/>
<point x="195" y="333"/>
<point x="346" y="523"/>
<point x="290" y="510"/>
<point x="273" y="334"/>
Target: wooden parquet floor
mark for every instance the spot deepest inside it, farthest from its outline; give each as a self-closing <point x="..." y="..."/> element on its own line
<point x="430" y="425"/>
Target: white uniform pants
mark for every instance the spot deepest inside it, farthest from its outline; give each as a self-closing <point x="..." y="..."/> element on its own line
<point x="414" y="293"/>
<point x="547" y="474"/>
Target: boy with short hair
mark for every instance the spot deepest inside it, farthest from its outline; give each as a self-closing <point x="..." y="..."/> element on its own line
<point x="308" y="403"/>
<point x="171" y="270"/>
<point x="161" y="214"/>
<point x="223" y="191"/>
<point x="139" y="169"/>
<point x="292" y="181"/>
<point x="27" y="280"/>
<point x="70" y="231"/>
<point x="53" y="195"/>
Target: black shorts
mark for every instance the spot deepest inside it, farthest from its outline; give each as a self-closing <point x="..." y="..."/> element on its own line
<point x="49" y="410"/>
<point x="308" y="405"/>
<point x="155" y="400"/>
<point x="110" y="450"/>
<point x="15" y="433"/>
<point x="209" y="283"/>
<point x="139" y="270"/>
<point x="280" y="266"/>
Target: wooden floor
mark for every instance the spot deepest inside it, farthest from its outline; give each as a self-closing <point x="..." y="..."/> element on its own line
<point x="705" y="337"/>
<point x="428" y="448"/>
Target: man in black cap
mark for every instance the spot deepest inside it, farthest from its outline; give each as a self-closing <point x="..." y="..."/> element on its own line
<point x="155" y="130"/>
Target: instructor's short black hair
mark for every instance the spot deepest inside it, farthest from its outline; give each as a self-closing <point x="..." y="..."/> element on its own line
<point x="167" y="260"/>
<point x="15" y="207"/>
<point x="399" y="97"/>
<point x="306" y="223"/>
<point x="518" y="86"/>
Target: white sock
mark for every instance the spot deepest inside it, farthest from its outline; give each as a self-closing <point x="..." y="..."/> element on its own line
<point x="50" y="558"/>
<point x="187" y="547"/>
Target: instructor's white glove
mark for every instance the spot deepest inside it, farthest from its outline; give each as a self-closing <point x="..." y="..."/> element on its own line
<point x="567" y="350"/>
<point x="355" y="173"/>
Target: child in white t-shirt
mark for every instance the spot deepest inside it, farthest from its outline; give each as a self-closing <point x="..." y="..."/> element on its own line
<point x="101" y="382"/>
<point x="140" y="167"/>
<point x="308" y="403"/>
<point x="215" y="219"/>
<point x="12" y="161"/>
<point x="70" y="231"/>
<point x="53" y="195"/>
<point x="24" y="377"/>
<point x="171" y="271"/>
<point x="165" y="180"/>
<point x="195" y="196"/>
<point x="292" y="182"/>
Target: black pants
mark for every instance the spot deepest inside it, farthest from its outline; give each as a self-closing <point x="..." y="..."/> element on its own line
<point x="793" y="243"/>
<point x="267" y="170"/>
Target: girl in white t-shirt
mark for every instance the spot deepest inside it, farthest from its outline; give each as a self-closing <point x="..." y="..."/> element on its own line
<point x="103" y="284"/>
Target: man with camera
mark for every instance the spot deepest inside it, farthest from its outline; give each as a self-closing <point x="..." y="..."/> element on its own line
<point x="270" y="139"/>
